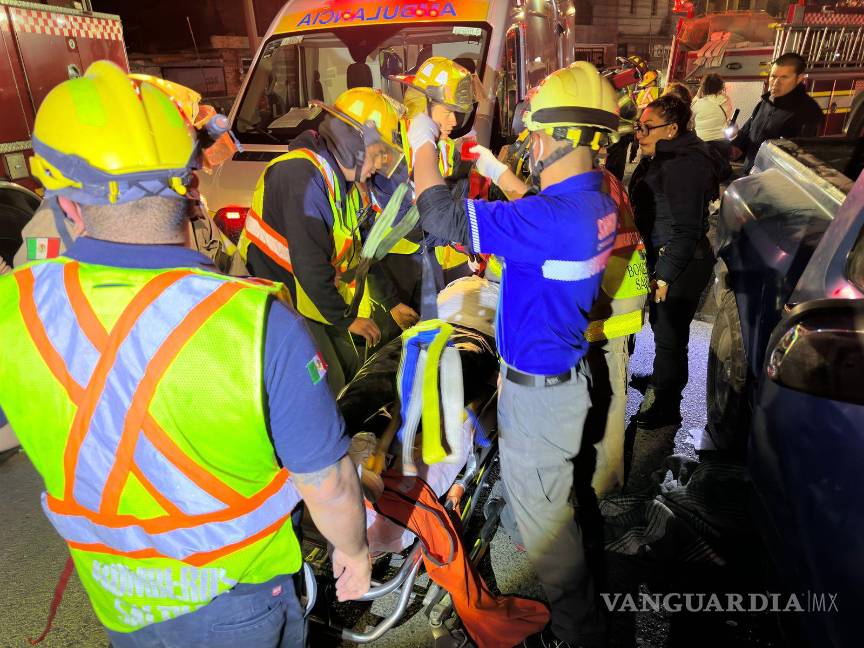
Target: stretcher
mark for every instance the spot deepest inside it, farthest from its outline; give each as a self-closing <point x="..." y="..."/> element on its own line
<point x="369" y="405"/>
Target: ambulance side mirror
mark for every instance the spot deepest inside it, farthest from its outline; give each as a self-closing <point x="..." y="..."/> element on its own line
<point x="518" y="124"/>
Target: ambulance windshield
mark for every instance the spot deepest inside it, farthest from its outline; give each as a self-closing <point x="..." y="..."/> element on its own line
<point x="293" y="70"/>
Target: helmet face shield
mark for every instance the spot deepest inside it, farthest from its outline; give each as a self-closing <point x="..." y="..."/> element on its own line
<point x="386" y="158"/>
<point x="379" y="126"/>
<point x="458" y="97"/>
<point x="387" y="155"/>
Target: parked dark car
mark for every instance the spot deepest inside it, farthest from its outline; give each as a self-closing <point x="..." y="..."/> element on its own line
<point x="786" y="369"/>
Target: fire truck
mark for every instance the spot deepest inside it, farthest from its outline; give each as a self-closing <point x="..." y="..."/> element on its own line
<point x="40" y="46"/>
<point x="740" y="46"/>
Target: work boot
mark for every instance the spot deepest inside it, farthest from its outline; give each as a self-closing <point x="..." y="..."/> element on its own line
<point x="658" y="415"/>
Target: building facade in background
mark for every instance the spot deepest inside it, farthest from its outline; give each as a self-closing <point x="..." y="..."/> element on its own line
<point x="204" y="44"/>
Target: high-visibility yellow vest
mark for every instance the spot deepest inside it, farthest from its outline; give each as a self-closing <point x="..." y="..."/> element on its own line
<point x="494" y="268"/>
<point x="646" y="96"/>
<point x="517" y="162"/>
<point x="346" y="235"/>
<point x="626" y="105"/>
<point x="449" y="257"/>
<point x="446" y="153"/>
<point x="618" y="309"/>
<point x="164" y="504"/>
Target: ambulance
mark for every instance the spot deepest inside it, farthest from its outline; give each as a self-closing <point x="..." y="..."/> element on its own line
<point x="317" y="50"/>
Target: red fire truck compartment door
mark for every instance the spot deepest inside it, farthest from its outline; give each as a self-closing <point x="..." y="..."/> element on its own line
<point x="17" y="113"/>
<point x="711" y="54"/>
<point x="56" y="45"/>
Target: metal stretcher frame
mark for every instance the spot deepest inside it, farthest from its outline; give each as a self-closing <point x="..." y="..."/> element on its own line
<point x="437" y="603"/>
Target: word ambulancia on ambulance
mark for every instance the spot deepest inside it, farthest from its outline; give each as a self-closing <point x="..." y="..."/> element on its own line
<point x="379" y="12"/>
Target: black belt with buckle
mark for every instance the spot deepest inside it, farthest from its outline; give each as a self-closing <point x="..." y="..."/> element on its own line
<point x="536" y="380"/>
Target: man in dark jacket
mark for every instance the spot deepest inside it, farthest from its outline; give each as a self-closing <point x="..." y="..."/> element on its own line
<point x="786" y="110"/>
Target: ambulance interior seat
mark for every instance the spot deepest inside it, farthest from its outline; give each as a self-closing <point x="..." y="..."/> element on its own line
<point x="359" y="75"/>
<point x="467" y="62"/>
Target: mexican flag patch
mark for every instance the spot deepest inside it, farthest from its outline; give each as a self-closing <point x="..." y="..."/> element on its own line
<point x="42" y="248"/>
<point x="317" y="368"/>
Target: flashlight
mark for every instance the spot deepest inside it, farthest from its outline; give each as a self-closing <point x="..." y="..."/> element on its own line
<point x="731" y="129"/>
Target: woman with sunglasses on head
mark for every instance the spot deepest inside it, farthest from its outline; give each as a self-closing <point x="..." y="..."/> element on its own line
<point x="670" y="190"/>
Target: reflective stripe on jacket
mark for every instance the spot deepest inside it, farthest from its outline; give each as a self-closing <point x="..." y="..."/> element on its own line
<point x="646" y="96"/>
<point x="449" y="257"/>
<point x="346" y="236"/>
<point x="618" y="309"/>
<point x="164" y="504"/>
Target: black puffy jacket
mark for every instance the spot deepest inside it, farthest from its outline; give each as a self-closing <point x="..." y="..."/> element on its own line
<point x="670" y="194"/>
<point x="793" y="115"/>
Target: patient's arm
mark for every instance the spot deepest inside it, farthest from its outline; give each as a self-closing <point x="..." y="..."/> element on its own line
<point x="336" y="505"/>
<point x="376" y="461"/>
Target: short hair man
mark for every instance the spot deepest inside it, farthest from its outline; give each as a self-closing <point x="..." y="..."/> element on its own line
<point x="786" y="110"/>
<point x="114" y="355"/>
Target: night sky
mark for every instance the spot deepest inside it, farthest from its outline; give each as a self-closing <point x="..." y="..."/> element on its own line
<point x="160" y="25"/>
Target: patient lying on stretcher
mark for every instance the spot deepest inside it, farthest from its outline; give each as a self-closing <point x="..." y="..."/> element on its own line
<point x="402" y="507"/>
<point x="370" y="404"/>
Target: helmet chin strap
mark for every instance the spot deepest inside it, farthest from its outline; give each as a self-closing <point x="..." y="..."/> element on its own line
<point x="537" y="167"/>
<point x="429" y="112"/>
<point x="590" y="137"/>
<point x="358" y="171"/>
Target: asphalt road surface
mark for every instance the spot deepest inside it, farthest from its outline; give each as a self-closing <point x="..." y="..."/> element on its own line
<point x="33" y="555"/>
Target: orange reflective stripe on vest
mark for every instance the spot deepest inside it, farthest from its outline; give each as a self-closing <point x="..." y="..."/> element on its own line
<point x="268" y="240"/>
<point x="112" y="377"/>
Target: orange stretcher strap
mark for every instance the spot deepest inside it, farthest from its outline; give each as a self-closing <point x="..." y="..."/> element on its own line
<point x="492" y="621"/>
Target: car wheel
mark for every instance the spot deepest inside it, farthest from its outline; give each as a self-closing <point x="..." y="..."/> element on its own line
<point x="728" y="379"/>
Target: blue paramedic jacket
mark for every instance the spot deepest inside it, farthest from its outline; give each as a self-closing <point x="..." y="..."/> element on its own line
<point x="555" y="246"/>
